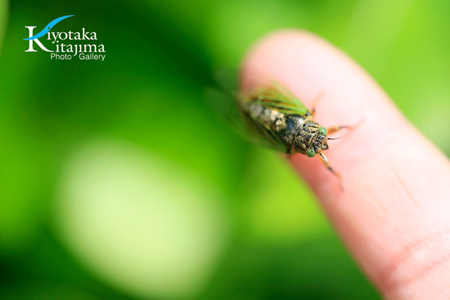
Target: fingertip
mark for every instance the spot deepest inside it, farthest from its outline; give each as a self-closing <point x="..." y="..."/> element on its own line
<point x="309" y="66"/>
<point x="390" y="173"/>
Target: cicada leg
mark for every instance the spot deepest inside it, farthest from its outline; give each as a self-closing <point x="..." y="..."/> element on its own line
<point x="337" y="128"/>
<point x="315" y="101"/>
<point x="328" y="166"/>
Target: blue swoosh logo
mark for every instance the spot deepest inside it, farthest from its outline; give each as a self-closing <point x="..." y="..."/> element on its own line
<point x="48" y="27"/>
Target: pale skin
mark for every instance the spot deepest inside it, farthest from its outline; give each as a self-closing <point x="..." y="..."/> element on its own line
<point x="394" y="214"/>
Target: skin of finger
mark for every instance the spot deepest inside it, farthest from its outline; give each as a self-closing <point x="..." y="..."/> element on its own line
<point x="393" y="212"/>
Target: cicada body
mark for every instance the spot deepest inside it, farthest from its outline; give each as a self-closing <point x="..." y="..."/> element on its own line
<point x="283" y="120"/>
<point x="274" y="117"/>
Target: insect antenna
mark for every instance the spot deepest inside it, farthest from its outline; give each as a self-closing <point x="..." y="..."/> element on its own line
<point x="328" y="138"/>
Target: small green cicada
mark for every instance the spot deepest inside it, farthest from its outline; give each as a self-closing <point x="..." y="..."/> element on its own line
<point x="274" y="117"/>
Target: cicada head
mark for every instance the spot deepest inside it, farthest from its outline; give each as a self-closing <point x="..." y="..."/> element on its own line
<point x="318" y="142"/>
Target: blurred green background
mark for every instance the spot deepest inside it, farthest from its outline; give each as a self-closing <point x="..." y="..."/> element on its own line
<point x="117" y="182"/>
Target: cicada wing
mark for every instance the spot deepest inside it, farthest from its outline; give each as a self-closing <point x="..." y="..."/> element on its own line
<point x="244" y="125"/>
<point x="227" y="80"/>
<point x="265" y="136"/>
<point x="289" y="96"/>
<point x="225" y="99"/>
<point x="226" y="106"/>
<point x="280" y="98"/>
<point x="228" y="102"/>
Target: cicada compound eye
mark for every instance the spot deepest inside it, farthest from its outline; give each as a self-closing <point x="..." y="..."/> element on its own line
<point x="310" y="153"/>
<point x="323" y="131"/>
